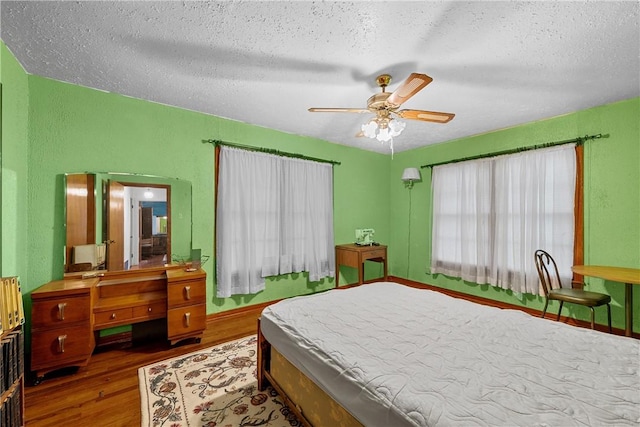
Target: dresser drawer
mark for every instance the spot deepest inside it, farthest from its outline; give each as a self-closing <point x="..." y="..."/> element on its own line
<point x="150" y="311"/>
<point x="111" y="317"/>
<point x="48" y="313"/>
<point x="183" y="293"/>
<point x="186" y="320"/>
<point x="377" y="253"/>
<point x="55" y="346"/>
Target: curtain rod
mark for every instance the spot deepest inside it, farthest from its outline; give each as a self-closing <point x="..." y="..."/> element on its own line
<point x="579" y="141"/>
<point x="217" y="142"/>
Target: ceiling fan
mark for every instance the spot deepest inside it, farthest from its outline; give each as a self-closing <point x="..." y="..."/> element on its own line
<point x="384" y="126"/>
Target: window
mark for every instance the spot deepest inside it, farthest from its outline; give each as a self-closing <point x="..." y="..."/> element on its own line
<point x="490" y="215"/>
<point x="274" y="216"/>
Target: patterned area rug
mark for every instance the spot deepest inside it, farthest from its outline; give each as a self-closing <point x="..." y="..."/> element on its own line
<point x="216" y="386"/>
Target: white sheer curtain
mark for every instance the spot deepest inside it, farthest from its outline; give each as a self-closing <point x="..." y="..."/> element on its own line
<point x="274" y="216"/>
<point x="490" y="215"/>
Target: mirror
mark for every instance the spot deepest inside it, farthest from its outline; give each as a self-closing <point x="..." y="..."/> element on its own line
<point x="119" y="221"/>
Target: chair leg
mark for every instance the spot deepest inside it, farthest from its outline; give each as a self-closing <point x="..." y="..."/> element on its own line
<point x="593" y="318"/>
<point x="544" y="311"/>
<point x="609" y="317"/>
<point x="559" y="310"/>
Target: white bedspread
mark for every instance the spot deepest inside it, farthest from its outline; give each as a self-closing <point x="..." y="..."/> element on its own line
<point x="394" y="355"/>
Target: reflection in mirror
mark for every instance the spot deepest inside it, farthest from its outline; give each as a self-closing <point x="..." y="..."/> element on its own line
<point x="125" y="221"/>
<point x="138" y="226"/>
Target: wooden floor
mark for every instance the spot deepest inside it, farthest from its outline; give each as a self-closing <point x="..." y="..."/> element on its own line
<point x="105" y="393"/>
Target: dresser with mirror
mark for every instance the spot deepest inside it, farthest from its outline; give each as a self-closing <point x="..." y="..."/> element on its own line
<point x="119" y="221"/>
<point x="122" y="233"/>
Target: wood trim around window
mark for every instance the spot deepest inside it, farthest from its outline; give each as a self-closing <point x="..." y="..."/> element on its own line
<point x="578" y="212"/>
<point x="215" y="195"/>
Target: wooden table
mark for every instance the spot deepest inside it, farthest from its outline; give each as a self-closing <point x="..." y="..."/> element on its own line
<point x="628" y="276"/>
<point x="353" y="255"/>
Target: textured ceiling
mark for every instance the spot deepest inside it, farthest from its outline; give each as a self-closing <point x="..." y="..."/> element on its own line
<point x="494" y="64"/>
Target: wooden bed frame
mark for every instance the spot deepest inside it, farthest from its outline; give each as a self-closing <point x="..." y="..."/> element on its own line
<point x="312" y="406"/>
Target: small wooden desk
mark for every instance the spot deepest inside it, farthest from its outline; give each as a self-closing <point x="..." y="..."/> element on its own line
<point x="628" y="276"/>
<point x="354" y="256"/>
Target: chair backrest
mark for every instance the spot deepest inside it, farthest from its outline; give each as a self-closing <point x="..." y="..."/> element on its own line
<point x="547" y="271"/>
<point x="85" y="254"/>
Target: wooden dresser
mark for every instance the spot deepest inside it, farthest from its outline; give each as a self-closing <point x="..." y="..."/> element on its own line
<point x="66" y="314"/>
<point x="186" y="304"/>
<point x="61" y="325"/>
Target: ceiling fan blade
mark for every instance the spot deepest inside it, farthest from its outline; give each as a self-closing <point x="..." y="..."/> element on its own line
<point x="414" y="84"/>
<point x="426" y="116"/>
<point x="339" y="110"/>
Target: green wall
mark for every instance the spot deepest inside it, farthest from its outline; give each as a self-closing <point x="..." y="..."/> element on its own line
<point x="611" y="201"/>
<point x="51" y="128"/>
<point x="76" y="129"/>
<point x="14" y="172"/>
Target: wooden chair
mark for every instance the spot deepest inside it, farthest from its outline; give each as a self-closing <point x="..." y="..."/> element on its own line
<point x="553" y="290"/>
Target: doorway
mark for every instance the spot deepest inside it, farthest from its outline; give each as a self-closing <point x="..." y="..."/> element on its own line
<point x="138" y="225"/>
<point x="153" y="237"/>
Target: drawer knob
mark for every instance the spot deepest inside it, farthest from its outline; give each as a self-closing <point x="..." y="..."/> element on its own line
<point x="61" y="340"/>
<point x="187" y="292"/>
<point x="113" y="316"/>
<point x="61" y="308"/>
<point x="149" y="310"/>
<point x="187" y="319"/>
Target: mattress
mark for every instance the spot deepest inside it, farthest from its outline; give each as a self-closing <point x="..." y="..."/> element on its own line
<point x="397" y="356"/>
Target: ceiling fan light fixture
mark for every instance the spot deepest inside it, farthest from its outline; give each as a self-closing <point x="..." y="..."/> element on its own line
<point x="383" y="129"/>
<point x="396" y="127"/>
<point x="369" y="129"/>
<point x="384" y="135"/>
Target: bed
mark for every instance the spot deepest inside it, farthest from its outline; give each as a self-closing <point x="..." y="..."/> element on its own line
<point x="386" y="354"/>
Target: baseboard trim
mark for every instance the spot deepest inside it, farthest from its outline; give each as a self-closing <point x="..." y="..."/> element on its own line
<point x="240" y="312"/>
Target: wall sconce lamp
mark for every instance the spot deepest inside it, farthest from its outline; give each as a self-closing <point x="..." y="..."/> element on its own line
<point x="409" y="176"/>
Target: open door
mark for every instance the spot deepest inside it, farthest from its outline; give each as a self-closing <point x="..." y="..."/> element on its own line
<point x="115" y="226"/>
<point x="146" y="233"/>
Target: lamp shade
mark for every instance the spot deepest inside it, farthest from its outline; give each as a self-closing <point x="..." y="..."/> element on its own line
<point x="411" y="174"/>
